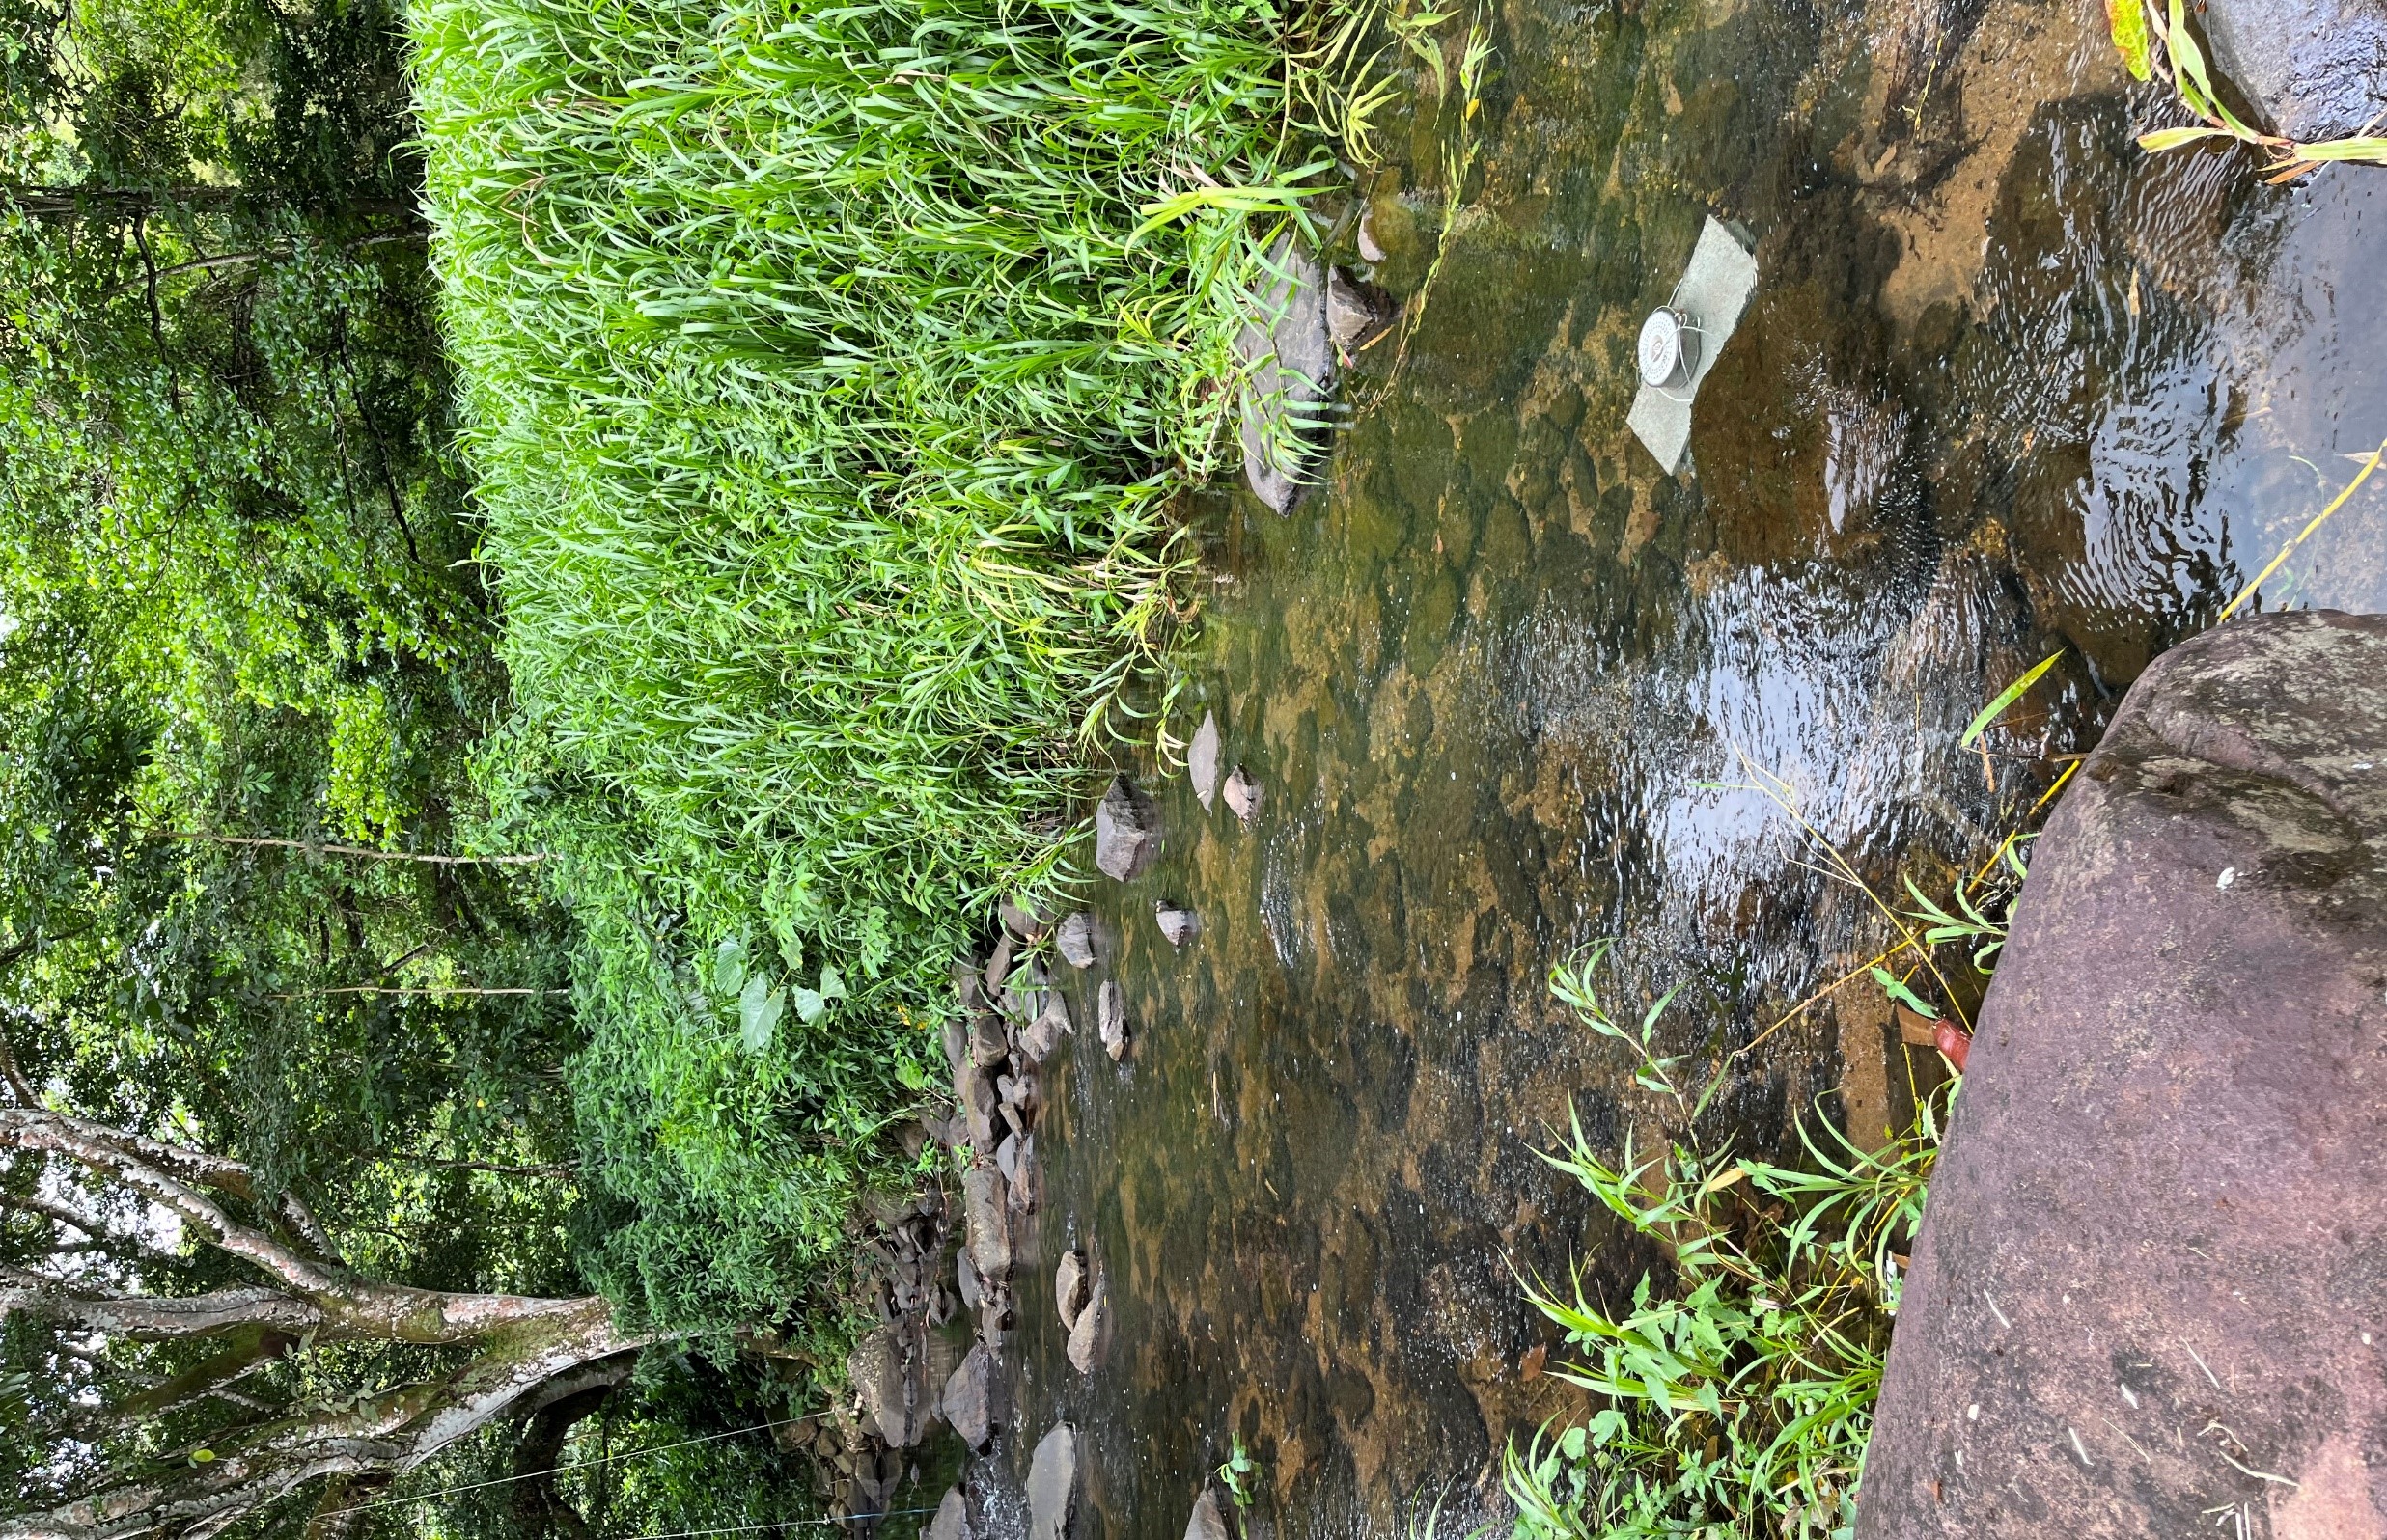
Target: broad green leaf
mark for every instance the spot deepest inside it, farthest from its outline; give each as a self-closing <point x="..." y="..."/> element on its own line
<point x="729" y="966"/>
<point x="809" y="1004"/>
<point x="758" y="1009"/>
<point x="832" y="987"/>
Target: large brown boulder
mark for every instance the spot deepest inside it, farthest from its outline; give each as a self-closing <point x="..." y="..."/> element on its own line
<point x="2149" y="1297"/>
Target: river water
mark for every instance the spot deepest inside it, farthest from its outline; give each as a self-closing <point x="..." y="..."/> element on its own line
<point x="2008" y="387"/>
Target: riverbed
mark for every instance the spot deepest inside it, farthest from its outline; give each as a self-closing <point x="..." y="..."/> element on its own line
<point x="2009" y="387"/>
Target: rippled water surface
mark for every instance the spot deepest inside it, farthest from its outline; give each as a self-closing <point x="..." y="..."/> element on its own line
<point x="2006" y="387"/>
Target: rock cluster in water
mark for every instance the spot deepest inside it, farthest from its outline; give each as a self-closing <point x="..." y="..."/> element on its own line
<point x="1009" y="1021"/>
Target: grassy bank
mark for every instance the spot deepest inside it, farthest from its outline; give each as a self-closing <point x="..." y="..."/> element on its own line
<point x="827" y="394"/>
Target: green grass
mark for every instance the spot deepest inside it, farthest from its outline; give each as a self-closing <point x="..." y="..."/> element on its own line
<point x="1737" y="1393"/>
<point x="827" y="407"/>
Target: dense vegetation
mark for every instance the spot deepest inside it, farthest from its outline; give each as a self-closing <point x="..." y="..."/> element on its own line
<point x="827" y="387"/>
<point x="826" y="379"/>
<point x="245" y="658"/>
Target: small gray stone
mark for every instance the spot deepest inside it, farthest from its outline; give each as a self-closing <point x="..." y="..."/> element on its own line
<point x="1201" y="761"/>
<point x="1178" y="925"/>
<point x="1052" y="1025"/>
<point x="1069" y="1288"/>
<point x="965" y="983"/>
<point x="998" y="965"/>
<point x="971" y="1394"/>
<point x="1370" y="249"/>
<point x="1052" y="1485"/>
<point x="953" y="1518"/>
<point x="957" y="1041"/>
<point x="965" y="1277"/>
<point x="974" y="1088"/>
<point x="988" y="1047"/>
<point x="1111" y="1016"/>
<point x="1126" y="831"/>
<point x="1243" y="795"/>
<point x="1074" y="940"/>
<point x="1026" y="1185"/>
<point x="1090" y="1338"/>
<point x="1208" y="1521"/>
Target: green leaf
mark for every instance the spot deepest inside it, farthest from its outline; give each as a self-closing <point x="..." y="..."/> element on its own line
<point x="2163" y="139"/>
<point x="832" y="987"/>
<point x="729" y="966"/>
<point x="1571" y="1443"/>
<point x="2126" y="20"/>
<point x="1906" y="997"/>
<point x="758" y="1010"/>
<point x="808" y="1006"/>
<point x="2006" y="698"/>
<point x="202" y="1456"/>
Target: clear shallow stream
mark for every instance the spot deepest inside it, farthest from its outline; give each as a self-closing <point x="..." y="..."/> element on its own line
<point x="2008" y="386"/>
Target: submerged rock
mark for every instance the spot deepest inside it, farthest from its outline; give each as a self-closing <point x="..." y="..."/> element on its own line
<point x="1201" y="761"/>
<point x="1178" y="925"/>
<point x="1290" y="371"/>
<point x="2315" y="70"/>
<point x="1069" y="1288"/>
<point x="953" y="1518"/>
<point x="1074" y="940"/>
<point x="1052" y="1485"/>
<point x="1126" y="831"/>
<point x="1243" y="795"/>
<point x="971" y="1396"/>
<point x="1111" y="1016"/>
<point x="2157" y="1206"/>
<point x="1208" y="1521"/>
<point x="1090" y="1336"/>
<point x="1356" y="312"/>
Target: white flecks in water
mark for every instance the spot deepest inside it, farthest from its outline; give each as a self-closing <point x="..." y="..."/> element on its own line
<point x="1972" y="1414"/>
<point x="2229" y="875"/>
<point x="2131" y="1396"/>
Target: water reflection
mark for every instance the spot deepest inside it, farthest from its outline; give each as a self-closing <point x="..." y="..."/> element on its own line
<point x="2008" y="387"/>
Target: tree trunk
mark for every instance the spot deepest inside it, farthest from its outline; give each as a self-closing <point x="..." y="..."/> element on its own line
<point x="521" y="1346"/>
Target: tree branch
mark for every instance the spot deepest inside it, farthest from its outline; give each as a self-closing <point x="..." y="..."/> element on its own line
<point x="362" y="852"/>
<point x="210" y="1375"/>
<point x="152" y="1318"/>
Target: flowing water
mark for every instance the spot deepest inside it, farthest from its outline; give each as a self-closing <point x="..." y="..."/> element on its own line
<point x="2008" y="387"/>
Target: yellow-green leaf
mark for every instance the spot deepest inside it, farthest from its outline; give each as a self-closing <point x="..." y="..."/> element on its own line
<point x="2006" y="698"/>
<point x="2126" y="19"/>
<point x="2173" y="138"/>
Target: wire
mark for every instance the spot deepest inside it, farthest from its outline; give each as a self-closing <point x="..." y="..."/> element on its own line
<point x="576" y="1465"/>
<point x="780" y="1524"/>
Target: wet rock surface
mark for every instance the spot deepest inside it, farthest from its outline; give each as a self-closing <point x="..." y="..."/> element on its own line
<point x="2316" y="68"/>
<point x="1243" y="796"/>
<point x="1209" y="1519"/>
<point x="1179" y="926"/>
<point x="1052" y="1485"/>
<point x="1111" y="1019"/>
<point x="971" y="1400"/>
<point x="1126" y="831"/>
<point x="2152" y="1282"/>
<point x="1074" y="940"/>
<point x="1289" y="353"/>
<point x="1090" y="1333"/>
<point x="953" y="1518"/>
<point x="1201" y="761"/>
